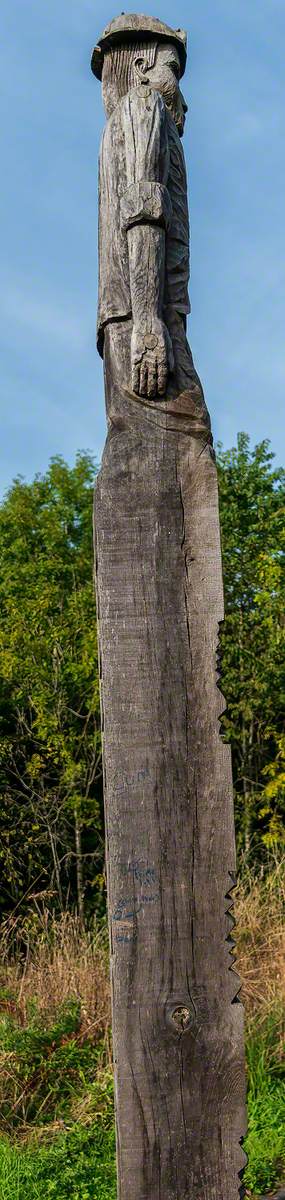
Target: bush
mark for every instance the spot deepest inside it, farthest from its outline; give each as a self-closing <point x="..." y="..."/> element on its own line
<point x="44" y="1067"/>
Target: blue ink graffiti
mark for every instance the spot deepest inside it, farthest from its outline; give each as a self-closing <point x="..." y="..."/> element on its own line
<point x="131" y="780"/>
<point x="129" y="906"/>
<point x="140" y="872"/>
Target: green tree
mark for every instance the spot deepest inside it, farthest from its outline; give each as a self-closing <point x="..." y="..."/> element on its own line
<point x="50" y="751"/>
<point x="252" y="639"/>
<point x="51" y="811"/>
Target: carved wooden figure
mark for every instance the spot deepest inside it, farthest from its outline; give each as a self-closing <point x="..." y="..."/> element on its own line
<point x="177" y="1019"/>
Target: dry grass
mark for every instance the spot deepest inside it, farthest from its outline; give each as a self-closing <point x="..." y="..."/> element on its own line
<point x="51" y="961"/>
<point x="260" y="935"/>
<point x="47" y="962"/>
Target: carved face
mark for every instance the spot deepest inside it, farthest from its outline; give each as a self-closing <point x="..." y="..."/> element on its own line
<point x="164" y="77"/>
<point x="125" y="67"/>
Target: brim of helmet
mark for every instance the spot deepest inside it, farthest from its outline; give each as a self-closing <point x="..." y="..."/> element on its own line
<point x="132" y="36"/>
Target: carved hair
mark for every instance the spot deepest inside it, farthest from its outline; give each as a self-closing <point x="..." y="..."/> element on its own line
<point x="119" y="75"/>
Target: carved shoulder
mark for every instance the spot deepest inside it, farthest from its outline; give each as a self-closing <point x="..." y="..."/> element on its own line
<point x="144" y="121"/>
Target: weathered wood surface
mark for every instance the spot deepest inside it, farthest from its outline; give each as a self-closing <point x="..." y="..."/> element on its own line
<point x="169" y="818"/>
<point x="177" y="1019"/>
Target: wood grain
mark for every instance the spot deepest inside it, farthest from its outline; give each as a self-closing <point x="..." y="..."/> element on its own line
<point x="177" y="1020"/>
<point x="169" y="816"/>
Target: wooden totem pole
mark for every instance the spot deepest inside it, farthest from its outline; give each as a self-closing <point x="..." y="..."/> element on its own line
<point x="177" y="1018"/>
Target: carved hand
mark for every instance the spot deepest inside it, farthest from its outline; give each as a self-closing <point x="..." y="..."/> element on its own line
<point x="152" y="358"/>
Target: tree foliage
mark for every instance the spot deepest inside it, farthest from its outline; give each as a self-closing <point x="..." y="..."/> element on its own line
<point x="50" y="755"/>
<point x="253" y="644"/>
<point x="51" y="822"/>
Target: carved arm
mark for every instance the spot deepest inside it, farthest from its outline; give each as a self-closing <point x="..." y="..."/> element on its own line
<point x="146" y="214"/>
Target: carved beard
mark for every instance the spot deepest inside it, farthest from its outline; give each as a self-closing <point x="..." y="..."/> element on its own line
<point x="174" y="104"/>
<point x="177" y="112"/>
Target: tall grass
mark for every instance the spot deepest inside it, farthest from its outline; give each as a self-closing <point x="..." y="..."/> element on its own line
<point x="56" y="1087"/>
<point x="56" y="1095"/>
<point x="47" y="962"/>
<point x="260" y="908"/>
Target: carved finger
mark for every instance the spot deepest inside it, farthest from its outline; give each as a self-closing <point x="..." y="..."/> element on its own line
<point x="162" y="376"/>
<point x="143" y="379"/>
<point x="136" y="378"/>
<point x="152" y="379"/>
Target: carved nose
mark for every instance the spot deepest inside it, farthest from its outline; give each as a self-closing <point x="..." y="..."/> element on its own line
<point x="184" y="106"/>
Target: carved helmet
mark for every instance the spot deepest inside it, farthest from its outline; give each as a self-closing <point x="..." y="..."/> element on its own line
<point x="135" y="28"/>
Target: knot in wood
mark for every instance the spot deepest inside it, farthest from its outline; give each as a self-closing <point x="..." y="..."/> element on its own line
<point x="180" y="1015"/>
<point x="181" y="1018"/>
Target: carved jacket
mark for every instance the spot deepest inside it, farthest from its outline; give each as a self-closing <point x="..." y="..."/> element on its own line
<point x="142" y="177"/>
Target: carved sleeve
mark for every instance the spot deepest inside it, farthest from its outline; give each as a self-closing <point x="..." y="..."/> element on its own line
<point x="147" y="160"/>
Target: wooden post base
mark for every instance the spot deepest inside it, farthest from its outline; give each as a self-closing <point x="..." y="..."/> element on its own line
<point x="177" y="1020"/>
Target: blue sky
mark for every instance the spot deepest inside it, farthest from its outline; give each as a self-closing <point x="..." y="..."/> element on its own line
<point x="52" y="391"/>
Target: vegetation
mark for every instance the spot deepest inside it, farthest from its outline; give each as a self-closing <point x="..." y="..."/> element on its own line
<point x="78" y="1165"/>
<point x="51" y="831"/>
<point x="56" y="1092"/>
<point x="252" y="497"/>
<point x="51" y="822"/>
<point x="265" y="1142"/>
<point x="261" y="960"/>
<point x="56" y="1087"/>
